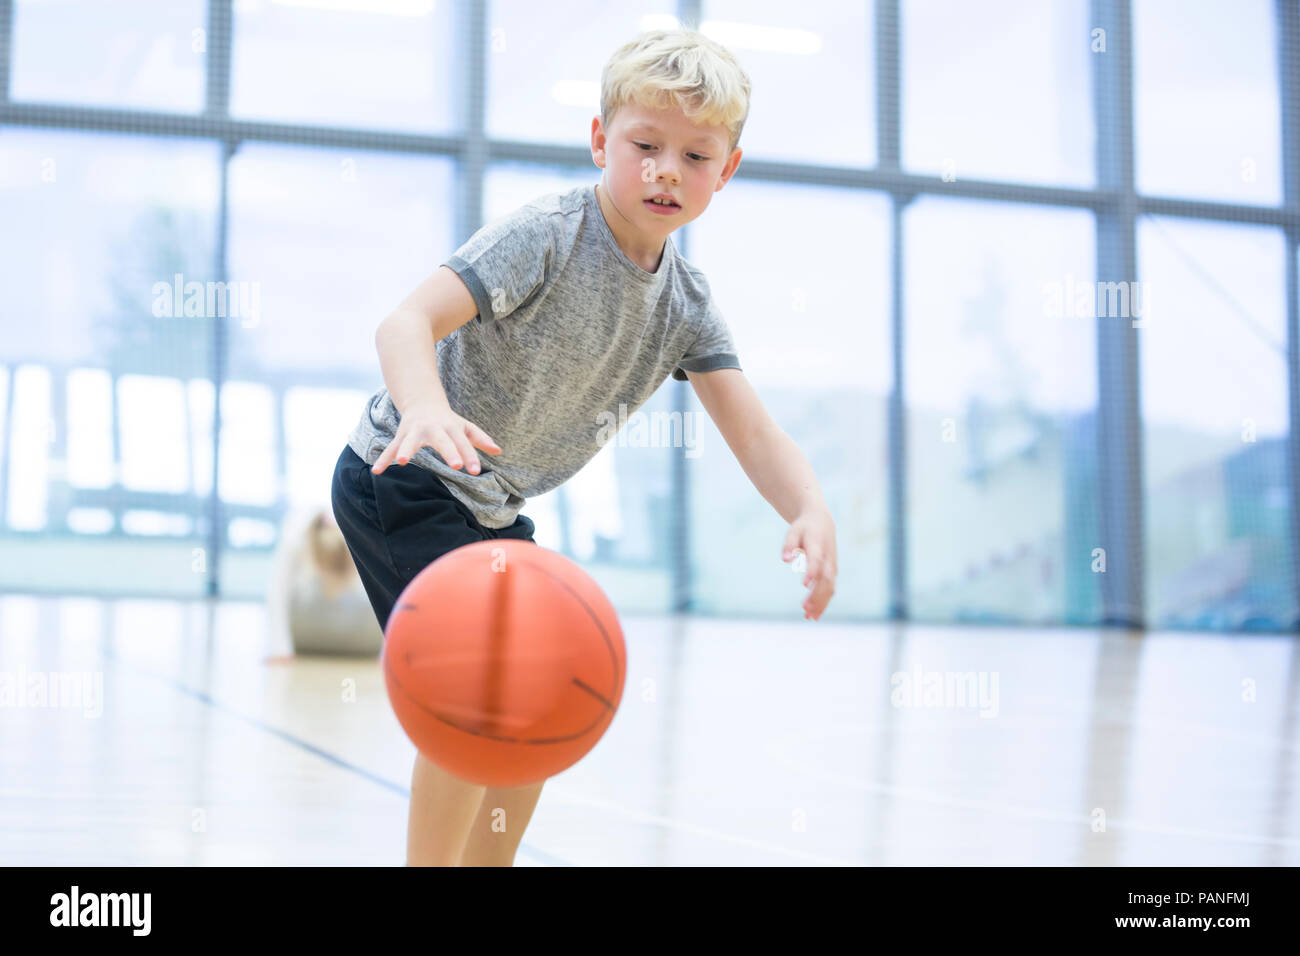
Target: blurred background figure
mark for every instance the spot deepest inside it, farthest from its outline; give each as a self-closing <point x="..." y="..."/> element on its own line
<point x="315" y="600"/>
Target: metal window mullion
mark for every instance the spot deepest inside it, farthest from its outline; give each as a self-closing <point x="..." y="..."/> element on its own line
<point x="118" y="486"/>
<point x="217" y="107"/>
<point x="216" y="510"/>
<point x="1119" y="422"/>
<point x="898" y="609"/>
<point x="473" y="148"/>
<point x="888" y="86"/>
<point x="217" y="87"/>
<point x="6" y="436"/>
<point x="681" y="594"/>
<point x="1288" y="39"/>
<point x="56" y="446"/>
<point x="888" y="41"/>
<point x="217" y="110"/>
<point x="202" y="126"/>
<point x="279" y="389"/>
<point x="6" y="46"/>
<point x="1293" y="431"/>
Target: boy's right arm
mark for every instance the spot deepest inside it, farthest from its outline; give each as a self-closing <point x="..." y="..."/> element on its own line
<point x="406" y="342"/>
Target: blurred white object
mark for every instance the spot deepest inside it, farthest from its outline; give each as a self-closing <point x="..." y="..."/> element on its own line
<point x="316" y="602"/>
<point x="799" y="564"/>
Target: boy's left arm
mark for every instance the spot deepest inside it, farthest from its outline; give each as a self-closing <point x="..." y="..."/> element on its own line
<point x="779" y="471"/>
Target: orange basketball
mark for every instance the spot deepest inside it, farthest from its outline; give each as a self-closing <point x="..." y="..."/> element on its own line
<point x="504" y="662"/>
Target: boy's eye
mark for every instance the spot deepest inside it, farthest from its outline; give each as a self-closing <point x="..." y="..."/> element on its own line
<point x="695" y="156"/>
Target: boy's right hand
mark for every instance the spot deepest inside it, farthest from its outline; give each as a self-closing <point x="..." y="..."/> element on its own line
<point x="437" y="426"/>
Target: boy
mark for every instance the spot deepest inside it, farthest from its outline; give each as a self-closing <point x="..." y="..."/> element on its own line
<point x="539" y="323"/>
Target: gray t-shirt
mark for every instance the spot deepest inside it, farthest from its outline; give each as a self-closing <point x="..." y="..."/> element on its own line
<point x="568" y="329"/>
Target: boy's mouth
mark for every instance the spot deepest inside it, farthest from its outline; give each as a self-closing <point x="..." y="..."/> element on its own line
<point x="663" y="209"/>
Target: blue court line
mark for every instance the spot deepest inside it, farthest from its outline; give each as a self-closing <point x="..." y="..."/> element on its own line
<point x="304" y="745"/>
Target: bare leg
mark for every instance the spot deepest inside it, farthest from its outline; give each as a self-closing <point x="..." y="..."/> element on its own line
<point x="499" y="827"/>
<point x="443" y="808"/>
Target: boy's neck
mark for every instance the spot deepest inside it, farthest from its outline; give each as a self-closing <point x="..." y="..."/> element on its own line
<point x="627" y="237"/>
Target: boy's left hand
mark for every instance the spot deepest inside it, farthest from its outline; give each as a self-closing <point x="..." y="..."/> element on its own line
<point x="813" y="533"/>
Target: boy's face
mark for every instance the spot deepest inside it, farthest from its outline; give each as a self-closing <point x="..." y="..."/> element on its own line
<point x="646" y="152"/>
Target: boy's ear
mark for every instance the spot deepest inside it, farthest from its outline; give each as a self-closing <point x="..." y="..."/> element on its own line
<point x="729" y="170"/>
<point x="598" y="139"/>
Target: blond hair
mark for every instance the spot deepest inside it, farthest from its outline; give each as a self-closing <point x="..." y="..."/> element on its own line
<point x="679" y="67"/>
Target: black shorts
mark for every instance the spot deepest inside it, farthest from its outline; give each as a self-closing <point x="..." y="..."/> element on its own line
<point x="398" y="523"/>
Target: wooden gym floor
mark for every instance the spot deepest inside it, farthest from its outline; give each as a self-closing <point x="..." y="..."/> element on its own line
<point x="737" y="743"/>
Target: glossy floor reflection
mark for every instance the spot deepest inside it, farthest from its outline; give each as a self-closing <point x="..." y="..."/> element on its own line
<point x="737" y="743"/>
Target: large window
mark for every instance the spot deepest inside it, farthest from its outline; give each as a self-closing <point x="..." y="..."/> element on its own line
<point x="377" y="64"/>
<point x="1205" y="99"/>
<point x="1001" y="387"/>
<point x="1214" y="413"/>
<point x="147" y="54"/>
<point x="814" y="91"/>
<point x="324" y="242"/>
<point x="1011" y="274"/>
<point x="997" y="90"/>
<point x="104" y="415"/>
<point x="810" y="323"/>
<point x="543" y="78"/>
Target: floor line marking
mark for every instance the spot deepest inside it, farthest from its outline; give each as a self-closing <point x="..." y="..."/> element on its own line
<point x="304" y="745"/>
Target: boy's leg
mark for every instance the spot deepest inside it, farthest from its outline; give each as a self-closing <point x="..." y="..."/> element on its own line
<point x="499" y="827"/>
<point x="508" y="809"/>
<point x="443" y="808"/>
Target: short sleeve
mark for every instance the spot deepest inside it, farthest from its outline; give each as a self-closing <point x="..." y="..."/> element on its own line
<point x="713" y="347"/>
<point x="506" y="261"/>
